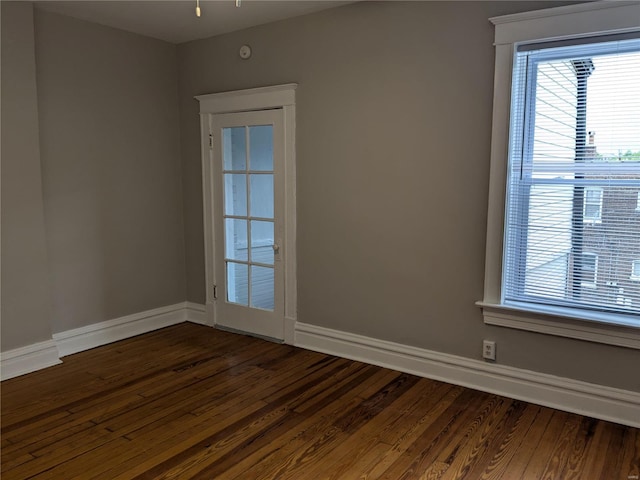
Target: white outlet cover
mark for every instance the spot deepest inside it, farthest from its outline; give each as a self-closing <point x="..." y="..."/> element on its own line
<point x="489" y="350"/>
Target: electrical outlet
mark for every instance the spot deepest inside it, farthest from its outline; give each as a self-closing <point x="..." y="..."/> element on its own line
<point x="488" y="350"/>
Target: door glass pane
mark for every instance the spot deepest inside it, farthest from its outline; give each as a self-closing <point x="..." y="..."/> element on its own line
<point x="235" y="194"/>
<point x="248" y="191"/>
<point x="261" y="148"/>
<point x="234" y="148"/>
<point x="261" y="195"/>
<point x="262" y="287"/>
<point x="237" y="283"/>
<point x="262" y="242"/>
<point x="236" y="239"/>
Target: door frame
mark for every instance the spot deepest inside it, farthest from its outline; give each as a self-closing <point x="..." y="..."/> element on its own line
<point x="277" y="96"/>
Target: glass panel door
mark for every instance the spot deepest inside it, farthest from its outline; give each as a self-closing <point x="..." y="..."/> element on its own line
<point x="248" y="159"/>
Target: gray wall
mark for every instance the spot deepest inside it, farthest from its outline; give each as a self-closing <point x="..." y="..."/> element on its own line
<point x="26" y="293"/>
<point x="394" y="113"/>
<point x="111" y="171"/>
<point x="393" y="142"/>
<point x="92" y="213"/>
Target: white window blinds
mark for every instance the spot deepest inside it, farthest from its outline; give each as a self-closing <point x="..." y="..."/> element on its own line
<point x="572" y="233"/>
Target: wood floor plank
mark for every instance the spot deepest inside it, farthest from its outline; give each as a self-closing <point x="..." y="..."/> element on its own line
<point x="191" y="402"/>
<point x="577" y="455"/>
<point x="592" y="460"/>
<point x="501" y="462"/>
<point x="208" y="449"/>
<point x="295" y="428"/>
<point x="284" y="462"/>
<point x="547" y="444"/>
<point x="378" y="433"/>
<point x="60" y="380"/>
<point x="563" y="447"/>
<point x="623" y="455"/>
<point x="473" y="458"/>
<point x="400" y="431"/>
<point x="444" y="436"/>
<point x="531" y="441"/>
<point x="266" y="456"/>
<point x="405" y="445"/>
<point x="95" y="408"/>
<point x="164" y="445"/>
<point x="261" y="457"/>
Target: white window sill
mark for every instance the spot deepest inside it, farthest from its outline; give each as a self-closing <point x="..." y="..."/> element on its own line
<point x="612" y="329"/>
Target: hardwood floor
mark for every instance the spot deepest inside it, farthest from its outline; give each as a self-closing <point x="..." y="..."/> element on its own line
<point x="192" y="402"/>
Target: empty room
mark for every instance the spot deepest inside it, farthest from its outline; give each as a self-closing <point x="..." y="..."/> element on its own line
<point x="320" y="239"/>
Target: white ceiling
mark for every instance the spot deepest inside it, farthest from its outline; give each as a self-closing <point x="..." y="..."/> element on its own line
<point x="176" y="21"/>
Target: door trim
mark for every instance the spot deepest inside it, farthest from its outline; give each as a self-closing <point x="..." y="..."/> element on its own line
<point x="276" y="96"/>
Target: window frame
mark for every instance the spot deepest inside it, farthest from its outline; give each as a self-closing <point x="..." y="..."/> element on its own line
<point x="582" y="20"/>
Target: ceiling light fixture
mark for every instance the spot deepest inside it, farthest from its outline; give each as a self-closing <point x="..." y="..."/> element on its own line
<point x="238" y="2"/>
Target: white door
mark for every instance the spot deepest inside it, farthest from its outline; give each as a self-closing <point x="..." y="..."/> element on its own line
<point x="248" y="211"/>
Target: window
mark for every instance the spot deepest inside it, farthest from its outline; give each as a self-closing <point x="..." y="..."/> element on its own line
<point x="635" y="270"/>
<point x="638" y="202"/>
<point x="565" y="172"/>
<point x="560" y="93"/>
<point x="592" y="211"/>
<point x="589" y="270"/>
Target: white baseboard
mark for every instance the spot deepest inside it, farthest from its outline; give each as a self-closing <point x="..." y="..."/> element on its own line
<point x="84" y="338"/>
<point x="19" y="361"/>
<point x="196" y="313"/>
<point x="606" y="403"/>
<point x="45" y="354"/>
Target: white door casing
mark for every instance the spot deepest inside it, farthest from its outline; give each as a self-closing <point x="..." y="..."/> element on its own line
<point x="214" y="109"/>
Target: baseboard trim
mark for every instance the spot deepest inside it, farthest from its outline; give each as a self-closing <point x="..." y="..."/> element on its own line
<point x="606" y="403"/>
<point x="46" y="354"/>
<point x="97" y="334"/>
<point x="196" y="313"/>
<point x="20" y="361"/>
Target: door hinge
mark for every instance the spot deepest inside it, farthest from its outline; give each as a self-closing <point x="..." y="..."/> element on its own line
<point x="215" y="292"/>
<point x="210" y="141"/>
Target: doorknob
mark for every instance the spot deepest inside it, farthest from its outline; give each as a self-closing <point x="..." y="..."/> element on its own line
<point x="276" y="248"/>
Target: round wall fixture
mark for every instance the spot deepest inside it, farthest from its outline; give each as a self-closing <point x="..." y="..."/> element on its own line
<point x="245" y="52"/>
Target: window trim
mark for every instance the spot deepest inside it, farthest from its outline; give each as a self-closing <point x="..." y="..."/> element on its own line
<point x="582" y="20"/>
